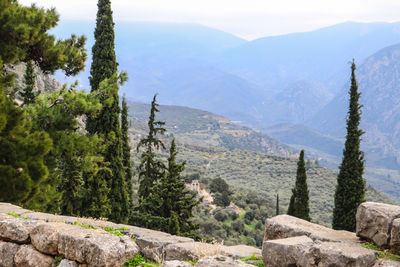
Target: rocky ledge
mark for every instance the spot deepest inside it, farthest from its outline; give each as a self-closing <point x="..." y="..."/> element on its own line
<point x="30" y="238"/>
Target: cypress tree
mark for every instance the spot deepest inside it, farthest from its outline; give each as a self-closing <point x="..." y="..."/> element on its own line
<point x="299" y="202"/>
<point x="126" y="149"/>
<point x="277" y="205"/>
<point x="104" y="79"/>
<point x="350" y="189"/>
<point x="30" y="80"/>
<point x="291" y="203"/>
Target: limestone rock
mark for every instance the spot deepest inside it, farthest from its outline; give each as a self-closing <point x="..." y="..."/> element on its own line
<point x="68" y="263"/>
<point x="7" y="253"/>
<point x="240" y="251"/>
<point x="96" y="247"/>
<point x="221" y="261"/>
<point x="395" y="236"/>
<point x="191" y="251"/>
<point x="152" y="244"/>
<point x="374" y="222"/>
<point x="386" y="263"/>
<point x="16" y="230"/>
<point x="45" y="237"/>
<point x="338" y="254"/>
<point x="175" y="263"/>
<point x="28" y="256"/>
<point x="283" y="226"/>
<point x="285" y="252"/>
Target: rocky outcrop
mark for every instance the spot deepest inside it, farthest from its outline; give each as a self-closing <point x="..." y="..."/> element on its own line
<point x="28" y="256"/>
<point x="7" y="253"/>
<point x="379" y="223"/>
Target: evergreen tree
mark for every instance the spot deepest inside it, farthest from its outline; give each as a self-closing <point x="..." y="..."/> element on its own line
<point x="104" y="63"/>
<point x="277" y="205"/>
<point x="22" y="153"/>
<point x="126" y="149"/>
<point x="104" y="81"/>
<point x="291" y="203"/>
<point x="151" y="169"/>
<point x="299" y="202"/>
<point x="27" y="93"/>
<point x="350" y="189"/>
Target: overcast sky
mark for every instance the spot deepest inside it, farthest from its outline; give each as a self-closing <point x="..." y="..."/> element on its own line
<point x="249" y="19"/>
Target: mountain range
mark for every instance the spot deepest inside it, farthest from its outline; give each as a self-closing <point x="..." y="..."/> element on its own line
<point x="292" y="87"/>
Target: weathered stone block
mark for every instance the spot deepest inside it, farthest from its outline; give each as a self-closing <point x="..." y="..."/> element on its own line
<point x="7" y="253"/>
<point x="386" y="263"/>
<point x="285" y="252"/>
<point x="221" y="261"/>
<point x="191" y="251"/>
<point x="17" y="230"/>
<point x="175" y="263"/>
<point x="284" y="226"/>
<point x="28" y="256"/>
<point x="68" y="263"/>
<point x="374" y="221"/>
<point x="240" y="251"/>
<point x="395" y="236"/>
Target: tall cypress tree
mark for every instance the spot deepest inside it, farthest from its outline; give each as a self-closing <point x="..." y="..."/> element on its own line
<point x="27" y="93"/>
<point x="350" y="189"/>
<point x="277" y="205"/>
<point x="300" y="199"/>
<point x="126" y="149"/>
<point x="104" y="79"/>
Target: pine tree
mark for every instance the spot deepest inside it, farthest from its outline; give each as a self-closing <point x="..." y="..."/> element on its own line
<point x="350" y="189"/>
<point x="27" y="93"/>
<point x="300" y="198"/>
<point x="104" y="81"/>
<point x="22" y="153"/>
<point x="151" y="169"/>
<point x="277" y="205"/>
<point x="126" y="150"/>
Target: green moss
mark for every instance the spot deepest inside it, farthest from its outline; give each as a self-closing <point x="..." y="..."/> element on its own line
<point x="17" y="216"/>
<point x="85" y="226"/>
<point x="114" y="231"/>
<point x="191" y="262"/>
<point x="254" y="258"/>
<point x="139" y="260"/>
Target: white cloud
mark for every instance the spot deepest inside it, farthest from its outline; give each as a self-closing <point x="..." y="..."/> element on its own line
<point x="250" y="18"/>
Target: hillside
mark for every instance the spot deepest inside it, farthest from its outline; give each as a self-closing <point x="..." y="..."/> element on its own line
<point x="263" y="174"/>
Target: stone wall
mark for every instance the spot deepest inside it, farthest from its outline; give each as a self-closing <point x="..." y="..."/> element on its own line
<point x="30" y="238"/>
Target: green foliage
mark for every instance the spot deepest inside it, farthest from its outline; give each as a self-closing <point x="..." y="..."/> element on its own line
<point x="57" y="260"/>
<point x="126" y="151"/>
<point x="300" y="199"/>
<point x="151" y="169"/>
<point x="135" y="261"/>
<point x="104" y="64"/>
<point x="85" y="226"/>
<point x="30" y="80"/>
<point x="113" y="231"/>
<point x="253" y="257"/>
<point x="22" y="167"/>
<point x="383" y="253"/>
<point x="25" y="37"/>
<point x="221" y="192"/>
<point x="350" y="190"/>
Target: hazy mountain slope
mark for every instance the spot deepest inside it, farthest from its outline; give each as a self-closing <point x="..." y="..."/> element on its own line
<point x="201" y="128"/>
<point x="321" y="55"/>
<point x="199" y="133"/>
<point x="379" y="83"/>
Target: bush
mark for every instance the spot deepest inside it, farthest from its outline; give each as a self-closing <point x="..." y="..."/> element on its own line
<point x="221" y="216"/>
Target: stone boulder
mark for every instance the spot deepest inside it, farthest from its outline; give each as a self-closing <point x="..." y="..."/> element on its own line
<point x="221" y="261"/>
<point x="191" y="251"/>
<point x="303" y="251"/>
<point x="240" y="251"/>
<point x="176" y="263"/>
<point x="28" y="256"/>
<point x="395" y="236"/>
<point x="7" y="253"/>
<point x="374" y="222"/>
<point x="68" y="263"/>
<point x="93" y="247"/>
<point x="17" y="230"/>
<point x="386" y="263"/>
<point x="284" y="226"/>
<point x="153" y="244"/>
